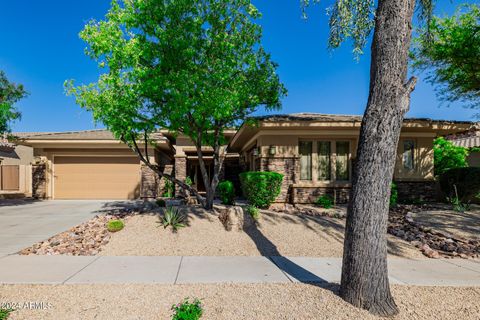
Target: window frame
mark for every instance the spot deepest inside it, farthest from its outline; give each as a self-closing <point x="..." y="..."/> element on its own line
<point x="413" y="155"/>
<point x="333" y="154"/>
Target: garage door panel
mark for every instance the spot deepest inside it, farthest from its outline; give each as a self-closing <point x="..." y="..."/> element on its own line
<point x="96" y="177"/>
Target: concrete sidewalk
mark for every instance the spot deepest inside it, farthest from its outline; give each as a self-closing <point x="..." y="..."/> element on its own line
<point x="17" y="269"/>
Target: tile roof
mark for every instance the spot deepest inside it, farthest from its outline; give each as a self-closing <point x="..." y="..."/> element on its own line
<point x="305" y="116"/>
<point x="99" y="134"/>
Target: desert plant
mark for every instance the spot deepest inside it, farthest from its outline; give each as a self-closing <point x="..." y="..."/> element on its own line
<point x="227" y="192"/>
<point x="5" y="313"/>
<point x="161" y="203"/>
<point x="174" y="218"/>
<point x="393" y="194"/>
<point x="324" y="201"/>
<point x="261" y="188"/>
<point x="187" y="310"/>
<point x="115" y="225"/>
<point x="456" y="203"/>
<point x="188" y="181"/>
<point x="168" y="189"/>
<point x="253" y="212"/>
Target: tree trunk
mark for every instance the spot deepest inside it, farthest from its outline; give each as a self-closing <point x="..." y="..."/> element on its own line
<point x="364" y="272"/>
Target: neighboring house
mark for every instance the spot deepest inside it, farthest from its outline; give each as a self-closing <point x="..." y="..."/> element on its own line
<point x="315" y="152"/>
<point x="15" y="170"/>
<point x="470" y="140"/>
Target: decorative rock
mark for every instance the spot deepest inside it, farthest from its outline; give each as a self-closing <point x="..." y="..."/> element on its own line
<point x="234" y="218"/>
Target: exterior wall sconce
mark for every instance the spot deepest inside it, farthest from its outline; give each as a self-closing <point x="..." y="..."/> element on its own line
<point x="272" y="150"/>
<point x="255" y="152"/>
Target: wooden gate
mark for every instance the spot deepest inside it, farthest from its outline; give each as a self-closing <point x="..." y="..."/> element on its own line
<point x="10" y="177"/>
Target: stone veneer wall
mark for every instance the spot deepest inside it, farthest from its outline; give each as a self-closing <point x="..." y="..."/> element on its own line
<point x="417" y="190"/>
<point x="168" y="169"/>
<point x="340" y="195"/>
<point x="180" y="173"/>
<point x="150" y="184"/>
<point x="285" y="166"/>
<point x="39" y="181"/>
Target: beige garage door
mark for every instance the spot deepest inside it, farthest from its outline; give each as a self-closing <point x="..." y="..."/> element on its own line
<point x="96" y="177"/>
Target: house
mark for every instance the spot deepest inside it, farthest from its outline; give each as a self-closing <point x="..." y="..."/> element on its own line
<point x="15" y="170"/>
<point x="315" y="153"/>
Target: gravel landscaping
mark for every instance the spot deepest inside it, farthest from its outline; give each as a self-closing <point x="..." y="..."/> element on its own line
<point x="275" y="234"/>
<point x="231" y="301"/>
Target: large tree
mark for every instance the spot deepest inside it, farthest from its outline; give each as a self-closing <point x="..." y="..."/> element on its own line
<point x="364" y="280"/>
<point x="194" y="67"/>
<point x="10" y="93"/>
<point x="449" y="49"/>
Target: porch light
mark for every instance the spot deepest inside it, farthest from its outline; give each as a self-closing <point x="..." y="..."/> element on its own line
<point x="255" y="152"/>
<point x="272" y="150"/>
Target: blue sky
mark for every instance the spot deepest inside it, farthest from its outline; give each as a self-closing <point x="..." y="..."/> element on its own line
<point x="40" y="48"/>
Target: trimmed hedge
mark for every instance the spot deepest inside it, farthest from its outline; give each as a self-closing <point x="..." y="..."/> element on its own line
<point x="261" y="188"/>
<point x="467" y="181"/>
<point x="227" y="192"/>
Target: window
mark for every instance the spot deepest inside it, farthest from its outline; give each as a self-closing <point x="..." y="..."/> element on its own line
<point x="324" y="167"/>
<point x="317" y="160"/>
<point x="408" y="154"/>
<point x="305" y="149"/>
<point x="342" y="167"/>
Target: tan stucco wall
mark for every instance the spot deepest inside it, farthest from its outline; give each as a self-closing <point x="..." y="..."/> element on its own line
<point x="286" y="144"/>
<point x="21" y="155"/>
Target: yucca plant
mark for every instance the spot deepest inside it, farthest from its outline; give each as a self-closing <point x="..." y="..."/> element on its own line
<point x="172" y="217"/>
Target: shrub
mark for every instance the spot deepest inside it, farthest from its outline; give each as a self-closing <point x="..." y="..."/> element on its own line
<point x="174" y="218"/>
<point x="325" y="201"/>
<point x="188" y="181"/>
<point x="465" y="180"/>
<point x="187" y="310"/>
<point x="393" y="194"/>
<point x="5" y="313"/>
<point x="161" y="203"/>
<point x="448" y="156"/>
<point x="227" y="192"/>
<point x="169" y="188"/>
<point x="115" y="225"/>
<point x="253" y="212"/>
<point x="261" y="188"/>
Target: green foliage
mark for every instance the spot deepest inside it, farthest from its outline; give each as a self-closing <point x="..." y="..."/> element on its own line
<point x="174" y="218"/>
<point x="458" y="205"/>
<point x="450" y="51"/>
<point x="5" y="313"/>
<point x="10" y="93"/>
<point x="188" y="181"/>
<point x="261" y="188"/>
<point x="393" y="194"/>
<point x="354" y="20"/>
<point x="161" y="202"/>
<point x="227" y="192"/>
<point x="187" y="310"/>
<point x="461" y="183"/>
<point x="253" y="212"/>
<point x="168" y="189"/>
<point x="324" y="201"/>
<point x="448" y="156"/>
<point x="192" y="67"/>
<point x="115" y="225"/>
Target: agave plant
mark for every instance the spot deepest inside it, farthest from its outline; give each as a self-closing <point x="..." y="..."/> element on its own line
<point x="172" y="217"/>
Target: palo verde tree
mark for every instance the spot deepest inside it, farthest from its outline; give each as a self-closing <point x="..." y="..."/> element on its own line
<point x="10" y="93"/>
<point x="448" y="156"/>
<point x="364" y="280"/>
<point x="449" y="49"/>
<point x="194" y="67"/>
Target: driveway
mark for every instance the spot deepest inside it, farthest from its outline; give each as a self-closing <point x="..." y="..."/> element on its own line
<point x="26" y="222"/>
